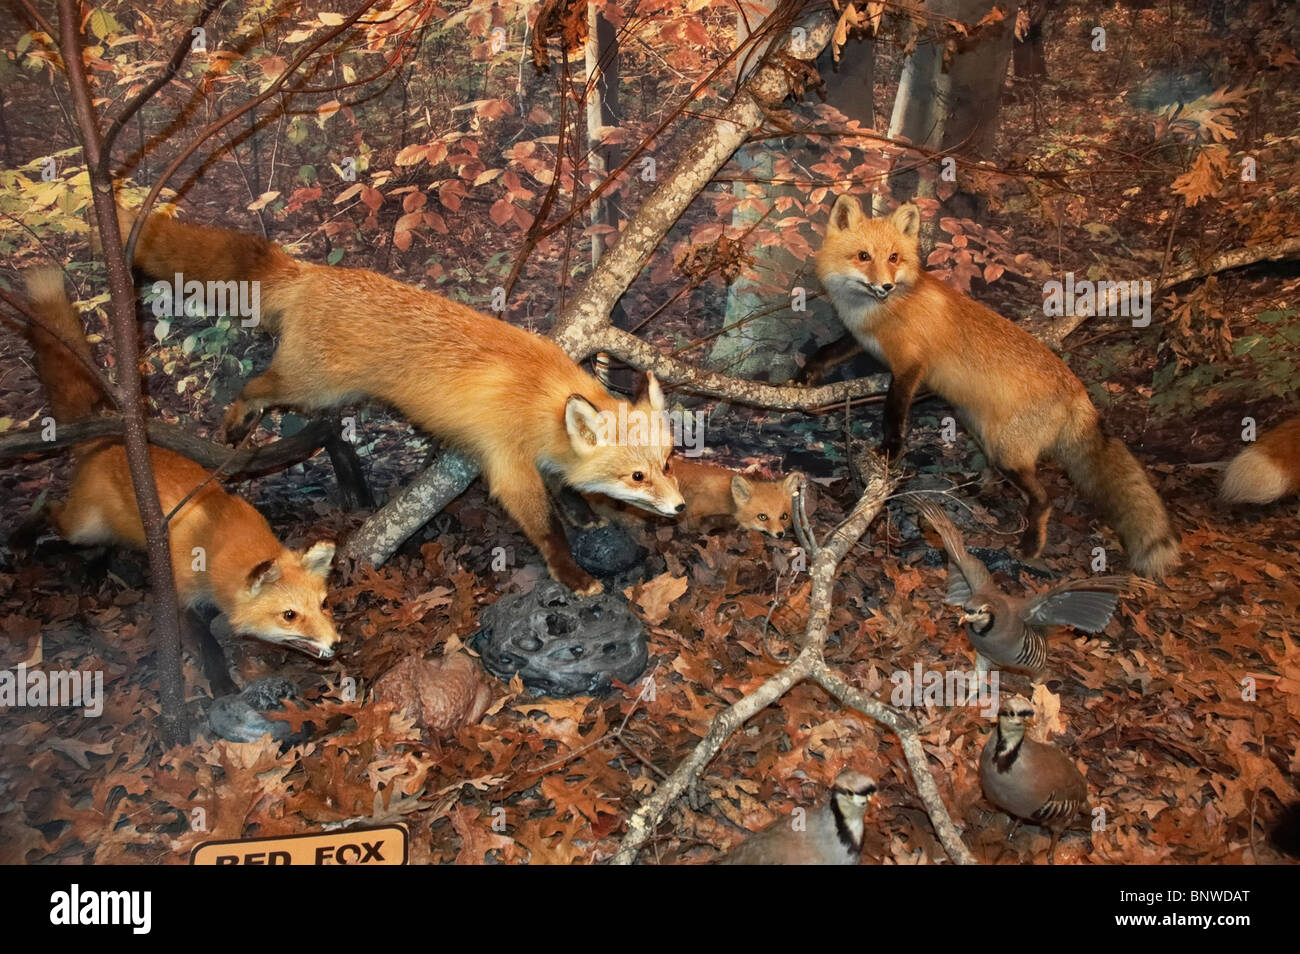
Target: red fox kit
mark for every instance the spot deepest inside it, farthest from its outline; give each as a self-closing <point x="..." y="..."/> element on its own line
<point x="223" y="551"/>
<point x="1268" y="469"/>
<point x="1013" y="393"/>
<point x="713" y="491"/>
<point x="510" y="399"/>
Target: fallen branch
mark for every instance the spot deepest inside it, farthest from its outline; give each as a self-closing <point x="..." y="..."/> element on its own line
<point x="252" y="462"/>
<point x="1060" y="329"/>
<point x="686" y="377"/>
<point x="381" y="535"/>
<point x="809" y="664"/>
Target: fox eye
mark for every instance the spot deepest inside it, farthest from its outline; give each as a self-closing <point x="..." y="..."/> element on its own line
<point x="763" y="517"/>
<point x="785" y="516"/>
<point x="289" y="616"/>
<point x="893" y="258"/>
<point x="638" y="476"/>
<point x="864" y="256"/>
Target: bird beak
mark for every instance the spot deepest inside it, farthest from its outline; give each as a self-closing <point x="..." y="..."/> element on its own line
<point x="966" y="618"/>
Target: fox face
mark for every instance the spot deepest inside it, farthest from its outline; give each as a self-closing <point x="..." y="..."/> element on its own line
<point x="283" y="602"/>
<point x="864" y="261"/>
<point x="763" y="505"/>
<point x="624" y="454"/>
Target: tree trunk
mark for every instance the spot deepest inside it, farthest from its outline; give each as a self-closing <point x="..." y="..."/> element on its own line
<point x="954" y="107"/>
<point x="761" y="347"/>
<point x="166" y="625"/>
<point x="602" y="108"/>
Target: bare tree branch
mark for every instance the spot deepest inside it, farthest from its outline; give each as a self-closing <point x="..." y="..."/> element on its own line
<point x="1060" y="329"/>
<point x="165" y="626"/>
<point x="808" y="664"/>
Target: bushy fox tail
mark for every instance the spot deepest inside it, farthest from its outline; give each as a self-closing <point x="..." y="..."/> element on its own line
<point x="1109" y="476"/>
<point x="1267" y="470"/>
<point x="62" y="351"/>
<point x="167" y="248"/>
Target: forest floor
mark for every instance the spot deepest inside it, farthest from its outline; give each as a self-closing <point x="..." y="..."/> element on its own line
<point x="1184" y="713"/>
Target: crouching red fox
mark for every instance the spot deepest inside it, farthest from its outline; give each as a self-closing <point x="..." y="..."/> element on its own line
<point x="223" y="551"/>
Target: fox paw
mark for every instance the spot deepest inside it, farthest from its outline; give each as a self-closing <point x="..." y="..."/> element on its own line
<point x="591" y="589"/>
<point x="582" y="584"/>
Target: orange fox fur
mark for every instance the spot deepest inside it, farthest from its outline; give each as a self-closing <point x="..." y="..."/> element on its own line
<point x="512" y="400"/>
<point x="1268" y="469"/>
<point x="265" y="589"/>
<point x="714" y="491"/>
<point x="1013" y="392"/>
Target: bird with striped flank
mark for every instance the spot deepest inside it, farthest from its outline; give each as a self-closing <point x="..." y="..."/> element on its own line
<point x="1008" y="632"/>
<point x="831" y="834"/>
<point x="1029" y="780"/>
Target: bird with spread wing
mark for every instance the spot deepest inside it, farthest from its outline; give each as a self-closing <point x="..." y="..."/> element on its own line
<point x="1009" y="632"/>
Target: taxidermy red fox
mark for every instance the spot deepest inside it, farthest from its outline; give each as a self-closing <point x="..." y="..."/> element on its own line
<point x="713" y="491"/>
<point x="512" y="400"/>
<point x="1268" y="469"/>
<point x="265" y="590"/>
<point x="1014" y="393"/>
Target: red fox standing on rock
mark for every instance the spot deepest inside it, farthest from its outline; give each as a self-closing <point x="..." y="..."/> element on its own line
<point x="1014" y="393"/>
<point x="512" y="400"/>
<point x="266" y="590"/>
<point x="1268" y="469"/>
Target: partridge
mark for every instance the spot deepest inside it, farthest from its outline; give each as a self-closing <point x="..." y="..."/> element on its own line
<point x="1009" y="632"/>
<point x="831" y="835"/>
<point x="1029" y="780"/>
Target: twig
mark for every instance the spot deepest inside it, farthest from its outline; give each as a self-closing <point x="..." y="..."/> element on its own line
<point x="803" y="531"/>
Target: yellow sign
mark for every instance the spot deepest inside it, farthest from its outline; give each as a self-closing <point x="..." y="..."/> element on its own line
<point x="354" y="846"/>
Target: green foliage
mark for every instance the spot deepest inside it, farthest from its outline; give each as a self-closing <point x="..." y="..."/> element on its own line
<point x="1264" y="364"/>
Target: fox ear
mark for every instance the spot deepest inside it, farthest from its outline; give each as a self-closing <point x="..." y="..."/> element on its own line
<point x="648" y="389"/>
<point x="582" y="423"/>
<point x="907" y="219"/>
<point x="268" y="571"/>
<point x="846" y="214"/>
<point x="792" y="482"/>
<point x="740" y="489"/>
<point x="318" y="558"/>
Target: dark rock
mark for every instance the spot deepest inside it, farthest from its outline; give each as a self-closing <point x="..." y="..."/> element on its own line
<point x="239" y="717"/>
<point x="233" y="719"/>
<point x="606" y="551"/>
<point x="561" y="644"/>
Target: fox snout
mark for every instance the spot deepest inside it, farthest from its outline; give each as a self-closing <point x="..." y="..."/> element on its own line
<point x="672" y="504"/>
